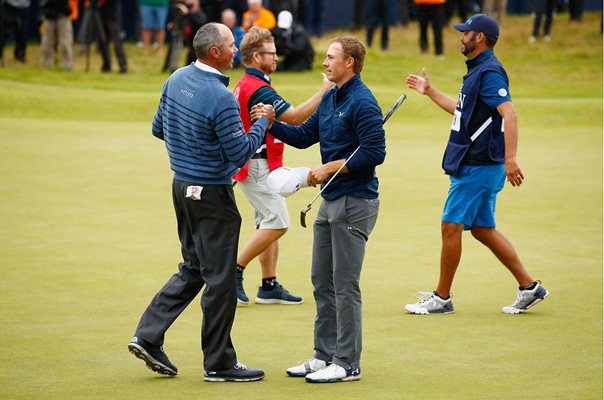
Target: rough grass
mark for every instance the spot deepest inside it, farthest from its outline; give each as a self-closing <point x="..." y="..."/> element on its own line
<point x="88" y="236"/>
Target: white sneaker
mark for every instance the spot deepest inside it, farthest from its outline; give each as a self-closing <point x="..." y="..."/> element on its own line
<point x="334" y="373"/>
<point x="312" y="365"/>
<point x="430" y="303"/>
<point x="526" y="299"/>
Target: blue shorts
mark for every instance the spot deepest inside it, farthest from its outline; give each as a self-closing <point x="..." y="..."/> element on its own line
<point x="473" y="194"/>
<point x="154" y="17"/>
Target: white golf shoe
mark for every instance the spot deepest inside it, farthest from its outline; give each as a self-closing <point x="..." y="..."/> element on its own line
<point x="312" y="365"/>
<point x="526" y="299"/>
<point x="334" y="373"/>
<point x="430" y="303"/>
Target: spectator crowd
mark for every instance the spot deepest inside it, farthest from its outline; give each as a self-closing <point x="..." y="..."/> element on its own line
<point x="165" y="28"/>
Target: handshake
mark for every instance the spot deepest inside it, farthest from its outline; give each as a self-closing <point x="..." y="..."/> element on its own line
<point x="262" y="110"/>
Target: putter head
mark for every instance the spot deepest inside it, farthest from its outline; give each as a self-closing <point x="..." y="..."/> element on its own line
<point x="303" y="216"/>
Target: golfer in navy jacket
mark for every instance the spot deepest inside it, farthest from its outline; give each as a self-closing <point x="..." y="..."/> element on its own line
<point x="198" y="118"/>
<point x="348" y="117"/>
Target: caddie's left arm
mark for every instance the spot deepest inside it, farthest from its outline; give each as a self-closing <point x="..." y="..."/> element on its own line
<point x="510" y="132"/>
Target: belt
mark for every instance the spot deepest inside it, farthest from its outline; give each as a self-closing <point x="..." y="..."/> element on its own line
<point x="261" y="154"/>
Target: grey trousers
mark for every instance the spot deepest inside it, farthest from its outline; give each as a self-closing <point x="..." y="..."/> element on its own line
<point x="341" y="230"/>
<point x="59" y="32"/>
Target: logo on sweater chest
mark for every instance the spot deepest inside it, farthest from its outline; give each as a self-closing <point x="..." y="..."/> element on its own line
<point x="186" y="93"/>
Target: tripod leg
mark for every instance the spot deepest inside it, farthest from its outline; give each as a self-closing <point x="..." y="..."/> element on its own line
<point x="84" y="36"/>
<point x="175" y="50"/>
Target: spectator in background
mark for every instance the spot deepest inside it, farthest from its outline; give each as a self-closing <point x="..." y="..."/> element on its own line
<point x="293" y="43"/>
<point x="111" y="17"/>
<point x="57" y="32"/>
<point x="276" y="6"/>
<point x="229" y="18"/>
<point x="13" y="17"/>
<point x="257" y="15"/>
<point x="213" y="9"/>
<point x="462" y="6"/>
<point x="154" y="14"/>
<point x="541" y="8"/>
<point x="357" y="23"/>
<point x="138" y="29"/>
<point x="405" y="11"/>
<point x="239" y="6"/>
<point x="379" y="12"/>
<point x="495" y="8"/>
<point x="196" y="18"/>
<point x="575" y="8"/>
<point x="314" y="10"/>
<point x="75" y="13"/>
<point x="431" y="11"/>
<point x="178" y="11"/>
<point x="184" y="19"/>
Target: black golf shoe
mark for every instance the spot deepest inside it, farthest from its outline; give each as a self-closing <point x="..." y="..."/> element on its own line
<point x="237" y="373"/>
<point x="153" y="355"/>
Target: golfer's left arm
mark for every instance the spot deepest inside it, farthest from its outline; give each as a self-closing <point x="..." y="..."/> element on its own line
<point x="320" y="173"/>
<point x="372" y="143"/>
<point x="510" y="133"/>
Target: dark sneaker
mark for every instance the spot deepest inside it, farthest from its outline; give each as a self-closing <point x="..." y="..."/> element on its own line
<point x="238" y="373"/>
<point x="154" y="356"/>
<point x="241" y="296"/>
<point x="278" y="295"/>
<point x="526" y="299"/>
<point x="334" y="373"/>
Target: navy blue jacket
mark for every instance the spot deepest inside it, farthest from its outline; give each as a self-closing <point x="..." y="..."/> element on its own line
<point x="347" y="118"/>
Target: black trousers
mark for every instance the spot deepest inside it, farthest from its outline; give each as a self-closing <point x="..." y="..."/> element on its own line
<point x="13" y="19"/>
<point x="111" y="18"/>
<point x="541" y="8"/>
<point x="575" y="8"/>
<point x="209" y="234"/>
<point x="463" y="8"/>
<point x="434" y="13"/>
<point x="378" y="13"/>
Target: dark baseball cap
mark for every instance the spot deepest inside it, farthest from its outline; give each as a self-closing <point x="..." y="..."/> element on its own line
<point x="480" y="23"/>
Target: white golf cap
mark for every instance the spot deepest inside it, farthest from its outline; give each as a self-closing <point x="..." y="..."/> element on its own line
<point x="285" y="19"/>
<point x="287" y="181"/>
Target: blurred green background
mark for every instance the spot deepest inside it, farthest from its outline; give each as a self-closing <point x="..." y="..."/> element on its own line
<point x="88" y="236"/>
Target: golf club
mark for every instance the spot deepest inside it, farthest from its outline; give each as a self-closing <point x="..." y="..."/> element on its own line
<point x="385" y="118"/>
